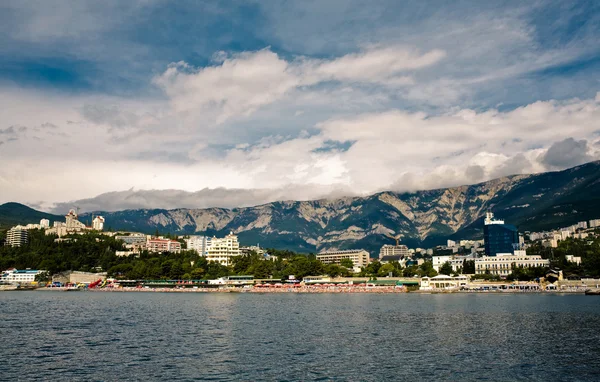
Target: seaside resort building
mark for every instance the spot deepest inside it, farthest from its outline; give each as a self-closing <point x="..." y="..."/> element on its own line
<point x="443" y="282"/>
<point x="503" y="263"/>
<point x="19" y="276"/>
<point x="360" y="257"/>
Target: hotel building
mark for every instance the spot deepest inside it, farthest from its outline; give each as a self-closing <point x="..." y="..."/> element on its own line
<point x="359" y="257"/>
<point x="222" y="250"/>
<point x="503" y="263"/>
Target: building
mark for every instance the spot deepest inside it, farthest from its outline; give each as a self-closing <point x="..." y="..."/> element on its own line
<point x="45" y="223"/>
<point x="359" y="257"/>
<point x="98" y="223"/>
<point x="15" y="276"/>
<point x="198" y="244"/>
<point x="72" y="222"/>
<point x="76" y="277"/>
<point x="223" y="249"/>
<point x="573" y="259"/>
<point x="253" y="248"/>
<point x="136" y="238"/>
<point x="163" y="245"/>
<point x="438" y="261"/>
<point x="443" y="282"/>
<point x="17" y="236"/>
<point x="503" y="263"/>
<point x="393" y="250"/>
<point x="594" y="223"/>
<point x="499" y="237"/>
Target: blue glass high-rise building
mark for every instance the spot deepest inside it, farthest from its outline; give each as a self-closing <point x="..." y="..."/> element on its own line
<point x="499" y="237"/>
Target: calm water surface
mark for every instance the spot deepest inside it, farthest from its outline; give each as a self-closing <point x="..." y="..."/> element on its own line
<point x="171" y="336"/>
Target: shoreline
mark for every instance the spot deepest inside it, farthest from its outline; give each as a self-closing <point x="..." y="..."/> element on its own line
<point x="308" y="290"/>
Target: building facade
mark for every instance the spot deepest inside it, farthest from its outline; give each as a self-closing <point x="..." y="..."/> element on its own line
<point x="223" y="249"/>
<point x="98" y="223"/>
<point x="499" y="237"/>
<point x="393" y="250"/>
<point x="359" y="257"/>
<point x="197" y="243"/>
<point x="163" y="245"/>
<point x="15" y="276"/>
<point x="17" y="236"/>
<point x="503" y="264"/>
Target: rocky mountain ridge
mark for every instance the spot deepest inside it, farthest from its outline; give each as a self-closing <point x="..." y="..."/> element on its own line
<point x="423" y="218"/>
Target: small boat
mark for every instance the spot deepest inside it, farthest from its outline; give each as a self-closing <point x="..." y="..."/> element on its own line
<point x="593" y="292"/>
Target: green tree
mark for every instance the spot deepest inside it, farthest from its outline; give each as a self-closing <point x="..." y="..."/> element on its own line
<point x="446" y="268"/>
<point x="347" y="263"/>
<point x="386" y="269"/>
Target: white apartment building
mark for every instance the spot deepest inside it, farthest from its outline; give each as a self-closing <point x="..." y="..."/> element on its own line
<point x="360" y="257"/>
<point x="502" y="264"/>
<point x="98" y="223"/>
<point x="14" y="276"/>
<point x="438" y="261"/>
<point x="455" y="261"/>
<point x="45" y="223"/>
<point x="594" y="223"/>
<point x="222" y="250"/>
<point x="198" y="244"/>
<point x="393" y="250"/>
<point x="17" y="236"/>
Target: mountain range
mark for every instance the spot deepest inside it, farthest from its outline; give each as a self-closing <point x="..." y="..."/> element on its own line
<point x="423" y="218"/>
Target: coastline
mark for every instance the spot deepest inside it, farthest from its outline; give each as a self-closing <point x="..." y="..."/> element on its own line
<point x="311" y="290"/>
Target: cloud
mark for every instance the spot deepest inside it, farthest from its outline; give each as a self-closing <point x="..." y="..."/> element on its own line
<point x="242" y="83"/>
<point x="205" y="198"/>
<point x="567" y="153"/>
<point x="263" y="95"/>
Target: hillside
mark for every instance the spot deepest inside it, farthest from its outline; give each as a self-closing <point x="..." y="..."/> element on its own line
<point x="14" y="213"/>
<point x="424" y="218"/>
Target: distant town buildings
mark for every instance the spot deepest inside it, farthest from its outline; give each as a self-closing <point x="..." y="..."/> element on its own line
<point x="72" y="225"/>
<point x="17" y="236"/>
<point x="44" y="223"/>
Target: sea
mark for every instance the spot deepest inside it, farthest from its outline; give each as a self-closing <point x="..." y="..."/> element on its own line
<point x="112" y="336"/>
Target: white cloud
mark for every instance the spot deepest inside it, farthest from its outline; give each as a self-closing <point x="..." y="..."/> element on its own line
<point x="241" y="84"/>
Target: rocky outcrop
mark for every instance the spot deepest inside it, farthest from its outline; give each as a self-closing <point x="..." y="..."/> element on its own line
<point x="422" y="218"/>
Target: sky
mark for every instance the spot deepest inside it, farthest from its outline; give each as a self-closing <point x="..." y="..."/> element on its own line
<point x="158" y="104"/>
